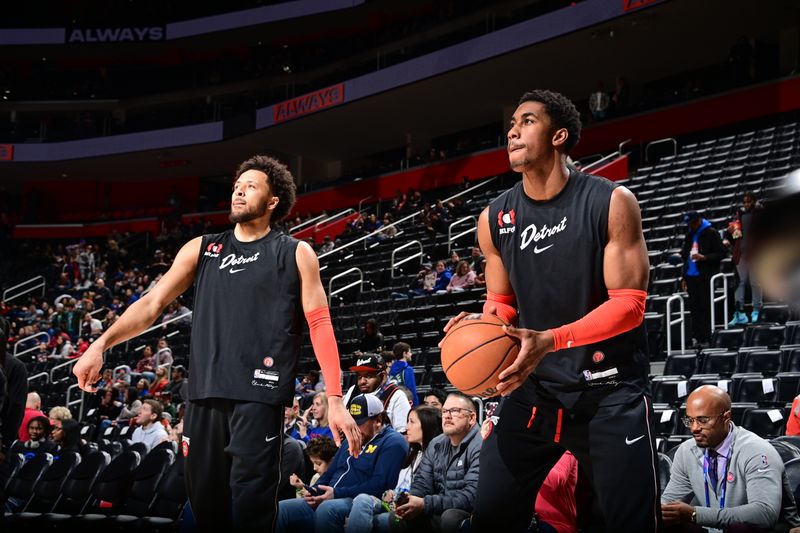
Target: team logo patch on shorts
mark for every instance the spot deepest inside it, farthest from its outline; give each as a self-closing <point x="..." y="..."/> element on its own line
<point x="268" y="361"/>
<point x="730" y="477"/>
<point x="185" y="446"/>
<point x="598" y="357"/>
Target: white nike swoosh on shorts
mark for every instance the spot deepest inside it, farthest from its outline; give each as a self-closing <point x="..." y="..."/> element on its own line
<point x="629" y="442"/>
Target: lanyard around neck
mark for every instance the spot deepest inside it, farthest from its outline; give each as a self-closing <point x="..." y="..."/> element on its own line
<point x="706" y="479"/>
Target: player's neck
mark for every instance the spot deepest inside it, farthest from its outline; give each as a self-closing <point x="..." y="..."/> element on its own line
<point x="543" y="182"/>
<point x="252" y="230"/>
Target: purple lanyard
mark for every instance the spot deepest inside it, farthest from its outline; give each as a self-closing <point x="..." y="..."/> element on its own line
<point x="706" y="479"/>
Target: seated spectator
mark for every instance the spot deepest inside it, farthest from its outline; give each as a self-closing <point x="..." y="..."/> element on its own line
<point x="435" y="398"/>
<point x="372" y="341"/>
<point x="131" y="407"/>
<point x="423" y="284"/>
<point x="160" y="382"/>
<point x="556" y="509"/>
<point x="68" y="437"/>
<point x="463" y="279"/>
<point x="424" y="424"/>
<point x="374" y="470"/>
<point x="33" y="409"/>
<point x="388" y="231"/>
<point x="109" y="408"/>
<point x="372" y="378"/>
<point x="146" y="365"/>
<point x="443" y="490"/>
<point x="91" y="327"/>
<point x="62" y="348"/>
<point x="164" y="354"/>
<point x="452" y="264"/>
<point x="401" y="372"/>
<point x="291" y="416"/>
<point x="311" y="383"/>
<point x="320" y="451"/>
<point x="318" y="425"/>
<point x="735" y="478"/>
<point x="442" y="278"/>
<point x="178" y="383"/>
<point x="39" y="438"/>
<point x="327" y="245"/>
<point x="150" y="431"/>
<point x="143" y="388"/>
<point x="58" y="414"/>
<point x="599" y="102"/>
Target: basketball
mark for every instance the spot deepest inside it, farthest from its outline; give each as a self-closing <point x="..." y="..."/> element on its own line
<point x="474" y="353"/>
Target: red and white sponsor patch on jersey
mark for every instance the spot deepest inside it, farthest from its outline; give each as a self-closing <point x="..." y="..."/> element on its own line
<point x="598" y="357"/>
<point x="185" y="446"/>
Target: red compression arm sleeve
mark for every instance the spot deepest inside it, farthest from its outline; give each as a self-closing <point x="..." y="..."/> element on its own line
<point x="325" y="348"/>
<point x="623" y="311"/>
<point x="505" y="305"/>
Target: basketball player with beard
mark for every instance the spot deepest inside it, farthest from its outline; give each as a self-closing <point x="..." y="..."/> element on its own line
<point x="252" y="287"/>
<point x="566" y="261"/>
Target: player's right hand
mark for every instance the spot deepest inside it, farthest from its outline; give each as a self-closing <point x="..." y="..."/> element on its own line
<point x="88" y="367"/>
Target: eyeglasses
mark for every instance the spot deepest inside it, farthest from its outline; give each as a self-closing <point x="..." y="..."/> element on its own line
<point x="454" y="411"/>
<point x="702" y="421"/>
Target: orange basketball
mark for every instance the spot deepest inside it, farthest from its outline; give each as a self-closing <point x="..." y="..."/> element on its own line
<point x="475" y="351"/>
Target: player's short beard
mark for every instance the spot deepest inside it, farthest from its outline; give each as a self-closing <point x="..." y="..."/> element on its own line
<point x="247" y="215"/>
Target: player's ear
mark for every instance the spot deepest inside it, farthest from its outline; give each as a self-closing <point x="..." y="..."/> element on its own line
<point x="560" y="137"/>
<point x="273" y="203"/>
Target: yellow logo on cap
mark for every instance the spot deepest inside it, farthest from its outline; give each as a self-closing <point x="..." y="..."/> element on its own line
<point x="355" y="409"/>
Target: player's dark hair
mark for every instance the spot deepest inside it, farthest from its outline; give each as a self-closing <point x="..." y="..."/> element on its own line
<point x="561" y="111"/>
<point x="280" y="181"/>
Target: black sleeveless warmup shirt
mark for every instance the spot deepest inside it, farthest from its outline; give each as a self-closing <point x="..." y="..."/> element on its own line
<point x="553" y="253"/>
<point x="247" y="323"/>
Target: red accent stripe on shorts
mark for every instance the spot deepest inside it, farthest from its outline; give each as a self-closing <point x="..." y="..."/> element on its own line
<point x="557" y="437"/>
<point x="533" y="415"/>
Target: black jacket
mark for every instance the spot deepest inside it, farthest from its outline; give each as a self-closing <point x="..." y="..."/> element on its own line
<point x="711" y="247"/>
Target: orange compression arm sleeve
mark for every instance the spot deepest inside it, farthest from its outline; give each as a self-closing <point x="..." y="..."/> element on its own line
<point x="325" y="348"/>
<point x="623" y="311"/>
<point x="506" y="305"/>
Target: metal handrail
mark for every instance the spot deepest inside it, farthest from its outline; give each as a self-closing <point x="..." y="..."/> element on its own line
<point x="39" y="375"/>
<point x="157" y="326"/>
<point x="61" y="365"/>
<point x="407" y="259"/>
<point x="96" y="311"/>
<point x="460" y="222"/>
<point x="29" y="337"/>
<point x="41" y="285"/>
<point x="722" y="298"/>
<point x="656" y="143"/>
<point x="305" y="223"/>
<point x="61" y="297"/>
<point x="360" y="281"/>
<point x="623" y="143"/>
<point x="361" y="202"/>
<point x="340" y="214"/>
<point x="404" y="219"/>
<point x="600" y="161"/>
<point x="477" y="400"/>
<point x="79" y="401"/>
<point x="681" y="320"/>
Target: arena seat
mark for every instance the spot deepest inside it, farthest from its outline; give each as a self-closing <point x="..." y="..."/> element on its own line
<point x="22" y="485"/>
<point x="764" y="422"/>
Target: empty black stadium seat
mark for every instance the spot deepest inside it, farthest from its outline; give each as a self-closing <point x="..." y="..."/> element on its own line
<point x="776" y="313"/>
<point x="170" y="500"/>
<point x="766" y="423"/>
<point x="664" y="470"/>
<point x="788" y="384"/>
<point x="665" y="419"/>
<point x="718" y="362"/>
<point x="730" y="339"/>
<point x="669" y="389"/>
<point x="792" y="469"/>
<point x="765" y="335"/>
<point x="22" y="484"/>
<point x="754" y="387"/>
<point x="764" y="361"/>
<point x="681" y="364"/>
<point x="787" y="449"/>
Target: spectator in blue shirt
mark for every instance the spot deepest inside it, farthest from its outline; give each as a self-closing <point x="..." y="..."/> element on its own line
<point x="401" y="371"/>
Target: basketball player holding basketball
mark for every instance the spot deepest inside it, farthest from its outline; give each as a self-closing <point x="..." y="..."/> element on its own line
<point x="252" y="286"/>
<point x="566" y="250"/>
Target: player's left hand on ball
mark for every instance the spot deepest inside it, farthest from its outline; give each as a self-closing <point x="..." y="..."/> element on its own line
<point x="534" y="345"/>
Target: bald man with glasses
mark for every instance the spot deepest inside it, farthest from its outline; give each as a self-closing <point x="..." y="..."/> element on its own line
<point x="725" y="477"/>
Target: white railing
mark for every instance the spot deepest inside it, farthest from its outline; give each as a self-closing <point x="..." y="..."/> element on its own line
<point x="44" y="375"/>
<point x="721" y="298"/>
<point x="24" y="288"/>
<point x="305" y="223"/>
<point x="79" y="401"/>
<point x="404" y="219"/>
<point x="409" y="244"/>
<point x="359" y="283"/>
<point x="680" y="320"/>
<point x="32" y="348"/>
<point x="65" y="364"/>
<point x="473" y="223"/>
<point x="656" y="143"/>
